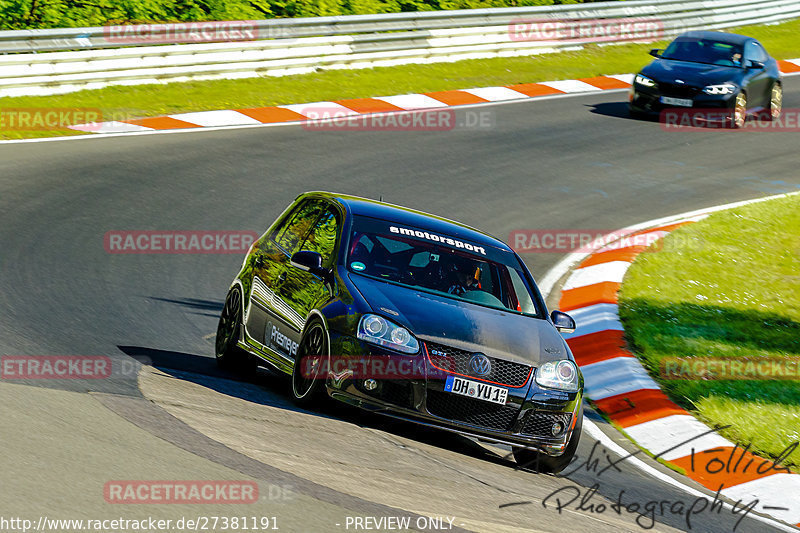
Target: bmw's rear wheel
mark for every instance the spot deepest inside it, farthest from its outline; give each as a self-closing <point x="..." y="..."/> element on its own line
<point x="546" y="464"/>
<point x="775" y="102"/>
<point x="307" y="382"/>
<point x="229" y="355"/>
<point x="739" y="111"/>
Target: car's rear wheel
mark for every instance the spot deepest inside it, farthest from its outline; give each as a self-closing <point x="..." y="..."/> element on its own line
<point x="775" y="102"/>
<point x="546" y="464"/>
<point x="229" y="355"/>
<point x="307" y="382"/>
<point x="739" y="111"/>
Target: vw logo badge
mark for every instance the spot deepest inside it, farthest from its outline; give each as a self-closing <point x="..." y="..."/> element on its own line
<point x="480" y="365"/>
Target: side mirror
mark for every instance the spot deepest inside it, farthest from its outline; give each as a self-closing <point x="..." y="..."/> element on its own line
<point x="563" y="322"/>
<point x="310" y="262"/>
<point x="656" y="52"/>
<point x="756" y="65"/>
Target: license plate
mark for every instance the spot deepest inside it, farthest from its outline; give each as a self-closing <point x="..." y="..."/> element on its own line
<point x="475" y="389"/>
<point x="683" y="102"/>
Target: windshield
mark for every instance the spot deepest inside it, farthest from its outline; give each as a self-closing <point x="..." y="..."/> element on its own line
<point x="703" y="51"/>
<point x="440" y="264"/>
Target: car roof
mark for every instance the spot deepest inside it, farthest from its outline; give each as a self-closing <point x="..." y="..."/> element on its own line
<point x="411" y="217"/>
<point x="723" y="37"/>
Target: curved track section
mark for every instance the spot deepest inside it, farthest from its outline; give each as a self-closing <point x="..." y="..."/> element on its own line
<point x="574" y="162"/>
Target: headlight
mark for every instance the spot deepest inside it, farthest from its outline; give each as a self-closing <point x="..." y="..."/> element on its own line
<point x="725" y="88"/>
<point x="561" y="375"/>
<point x="643" y="80"/>
<point x="378" y="330"/>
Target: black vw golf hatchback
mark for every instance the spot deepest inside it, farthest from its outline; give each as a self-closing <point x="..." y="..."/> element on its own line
<point x="411" y="315"/>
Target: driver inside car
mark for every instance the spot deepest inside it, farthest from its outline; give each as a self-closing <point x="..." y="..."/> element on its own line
<point x="465" y="278"/>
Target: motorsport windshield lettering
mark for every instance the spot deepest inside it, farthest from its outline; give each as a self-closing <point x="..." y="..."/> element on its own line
<point x="438" y="238"/>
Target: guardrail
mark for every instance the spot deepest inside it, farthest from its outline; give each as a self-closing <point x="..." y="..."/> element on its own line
<point x="54" y="61"/>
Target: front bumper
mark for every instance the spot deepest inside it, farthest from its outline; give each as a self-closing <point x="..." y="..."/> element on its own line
<point x="648" y="99"/>
<point x="525" y="420"/>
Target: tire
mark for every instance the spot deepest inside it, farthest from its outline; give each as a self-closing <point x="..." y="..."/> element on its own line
<point x="775" y="103"/>
<point x="226" y="347"/>
<point x="308" y="391"/>
<point x="739" y="115"/>
<point x="546" y="464"/>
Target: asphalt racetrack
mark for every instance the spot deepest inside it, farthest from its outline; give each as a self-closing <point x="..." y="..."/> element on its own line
<point x="167" y="413"/>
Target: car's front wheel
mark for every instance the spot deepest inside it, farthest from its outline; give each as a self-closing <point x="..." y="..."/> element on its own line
<point x="307" y="379"/>
<point x="739" y="111"/>
<point x="775" y="103"/>
<point x="546" y="464"/>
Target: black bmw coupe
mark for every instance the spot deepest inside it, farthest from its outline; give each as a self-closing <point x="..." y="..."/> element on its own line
<point x="411" y="315"/>
<point x="706" y="71"/>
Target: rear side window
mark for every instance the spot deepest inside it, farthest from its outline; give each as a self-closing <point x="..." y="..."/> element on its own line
<point x="297" y="225"/>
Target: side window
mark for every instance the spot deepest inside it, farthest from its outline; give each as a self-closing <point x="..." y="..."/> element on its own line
<point x="297" y="225"/>
<point x="755" y="52"/>
<point x="523" y="296"/>
<point x="322" y="238"/>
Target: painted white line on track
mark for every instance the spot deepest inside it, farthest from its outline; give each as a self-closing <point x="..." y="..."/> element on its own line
<point x="666" y="434"/>
<point x="613" y="271"/>
<point x="110" y="127"/>
<point x="624" y="78"/>
<point x="225" y="117"/>
<point x="765" y="488"/>
<point x="496" y="94"/>
<point x="571" y="86"/>
<point x="318" y="109"/>
<point x="618" y="375"/>
<point x="594" y="319"/>
<point x="411" y="102"/>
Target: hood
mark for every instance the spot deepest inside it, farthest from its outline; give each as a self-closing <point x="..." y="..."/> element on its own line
<point x="464" y="325"/>
<point x="694" y="74"/>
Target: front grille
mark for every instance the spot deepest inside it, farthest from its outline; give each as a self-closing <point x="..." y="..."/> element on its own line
<point x="472" y="411"/>
<point x="454" y="360"/>
<point x="677" y="90"/>
<point x="539" y="423"/>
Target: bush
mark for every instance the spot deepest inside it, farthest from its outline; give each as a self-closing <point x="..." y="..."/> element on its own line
<point x="26" y="14"/>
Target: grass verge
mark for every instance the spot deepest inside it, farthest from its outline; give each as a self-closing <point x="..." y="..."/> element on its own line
<point x="736" y="296"/>
<point x="123" y="103"/>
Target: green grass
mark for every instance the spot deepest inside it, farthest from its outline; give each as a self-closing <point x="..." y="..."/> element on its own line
<point x="122" y="103"/>
<point x="725" y="287"/>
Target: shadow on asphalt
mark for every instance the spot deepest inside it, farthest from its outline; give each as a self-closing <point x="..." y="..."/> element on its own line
<point x="617" y="110"/>
<point x="273" y="389"/>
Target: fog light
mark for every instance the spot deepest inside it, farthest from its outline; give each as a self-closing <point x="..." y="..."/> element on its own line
<point x="557" y="429"/>
<point x="370" y="384"/>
